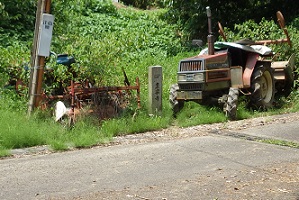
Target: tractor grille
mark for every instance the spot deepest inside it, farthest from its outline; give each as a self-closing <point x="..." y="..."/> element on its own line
<point x="218" y="75"/>
<point x="190" y="65"/>
<point x="190" y="86"/>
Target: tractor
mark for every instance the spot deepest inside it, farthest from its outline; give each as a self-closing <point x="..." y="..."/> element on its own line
<point x="225" y="70"/>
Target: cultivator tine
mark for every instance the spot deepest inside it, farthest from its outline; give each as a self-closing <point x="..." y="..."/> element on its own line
<point x="72" y="116"/>
<point x="126" y="81"/>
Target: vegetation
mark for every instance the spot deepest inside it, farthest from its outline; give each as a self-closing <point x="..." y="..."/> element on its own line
<point x="191" y="14"/>
<point x="104" y="39"/>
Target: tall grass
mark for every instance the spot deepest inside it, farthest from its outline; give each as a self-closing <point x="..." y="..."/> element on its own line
<point x="18" y="131"/>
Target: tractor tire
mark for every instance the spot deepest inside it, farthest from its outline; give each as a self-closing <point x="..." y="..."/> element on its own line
<point x="176" y="105"/>
<point x="230" y="106"/>
<point x="262" y="87"/>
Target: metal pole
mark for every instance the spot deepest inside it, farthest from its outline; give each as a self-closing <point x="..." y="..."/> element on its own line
<point x="210" y="37"/>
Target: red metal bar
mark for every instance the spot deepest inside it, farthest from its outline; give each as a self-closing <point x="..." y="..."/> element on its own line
<point x="82" y="93"/>
<point x="72" y="102"/>
<point x="265" y="42"/>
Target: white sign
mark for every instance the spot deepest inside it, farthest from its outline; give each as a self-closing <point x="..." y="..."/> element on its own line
<point x="45" y="37"/>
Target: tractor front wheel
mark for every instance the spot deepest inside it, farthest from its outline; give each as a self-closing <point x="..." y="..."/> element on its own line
<point x="176" y="105"/>
<point x="230" y="106"/>
<point x="262" y="87"/>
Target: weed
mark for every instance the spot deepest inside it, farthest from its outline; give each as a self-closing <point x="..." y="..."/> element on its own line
<point x="280" y="142"/>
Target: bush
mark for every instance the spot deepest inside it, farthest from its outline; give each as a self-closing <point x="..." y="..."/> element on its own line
<point x="104" y="43"/>
<point x="17" y="20"/>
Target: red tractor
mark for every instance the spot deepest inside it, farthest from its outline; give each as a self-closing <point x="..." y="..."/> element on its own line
<point x="226" y="69"/>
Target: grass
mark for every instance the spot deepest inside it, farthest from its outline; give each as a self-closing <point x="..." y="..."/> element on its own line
<point x="280" y="143"/>
<point x="194" y="114"/>
<point x="4" y="152"/>
<point x="19" y="131"/>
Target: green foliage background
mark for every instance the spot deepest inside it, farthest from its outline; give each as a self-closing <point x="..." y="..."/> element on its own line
<point x="192" y="13"/>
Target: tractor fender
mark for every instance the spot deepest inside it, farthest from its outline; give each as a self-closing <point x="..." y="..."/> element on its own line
<point x="284" y="75"/>
<point x="284" y="69"/>
<point x="291" y="63"/>
<point x="252" y="58"/>
<point x="290" y="68"/>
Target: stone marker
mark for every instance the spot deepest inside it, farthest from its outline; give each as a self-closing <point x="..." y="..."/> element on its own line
<point x="155" y="90"/>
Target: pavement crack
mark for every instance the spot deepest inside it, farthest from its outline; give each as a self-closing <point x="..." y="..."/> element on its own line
<point x="267" y="140"/>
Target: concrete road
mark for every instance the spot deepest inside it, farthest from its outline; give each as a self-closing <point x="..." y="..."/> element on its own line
<point x="207" y="167"/>
<point x="282" y="131"/>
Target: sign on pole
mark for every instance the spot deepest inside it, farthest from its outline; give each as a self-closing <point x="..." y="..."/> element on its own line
<point x="44" y="42"/>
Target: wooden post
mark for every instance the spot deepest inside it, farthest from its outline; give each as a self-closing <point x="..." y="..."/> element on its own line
<point x="40" y="69"/>
<point x="34" y="58"/>
<point x="37" y="62"/>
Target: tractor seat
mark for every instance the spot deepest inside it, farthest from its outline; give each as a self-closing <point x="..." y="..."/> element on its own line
<point x="65" y="59"/>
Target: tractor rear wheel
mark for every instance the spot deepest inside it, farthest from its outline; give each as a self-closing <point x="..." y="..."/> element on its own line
<point x="176" y="105"/>
<point x="262" y="87"/>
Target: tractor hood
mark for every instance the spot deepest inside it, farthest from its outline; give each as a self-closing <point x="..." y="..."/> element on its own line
<point x="259" y="49"/>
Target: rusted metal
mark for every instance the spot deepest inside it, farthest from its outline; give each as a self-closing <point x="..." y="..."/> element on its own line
<point x="72" y="93"/>
<point x="266" y="42"/>
<point x="78" y="92"/>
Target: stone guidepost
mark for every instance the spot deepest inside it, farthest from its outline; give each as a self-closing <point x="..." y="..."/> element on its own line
<point x="155" y="78"/>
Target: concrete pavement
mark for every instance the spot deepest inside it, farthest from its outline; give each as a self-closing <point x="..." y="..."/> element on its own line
<point x="282" y="131"/>
<point x="207" y="167"/>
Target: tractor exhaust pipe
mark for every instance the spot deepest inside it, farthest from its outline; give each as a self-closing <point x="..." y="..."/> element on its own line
<point x="210" y="37"/>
